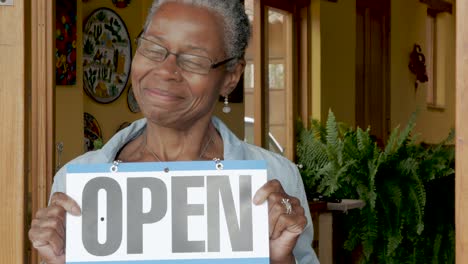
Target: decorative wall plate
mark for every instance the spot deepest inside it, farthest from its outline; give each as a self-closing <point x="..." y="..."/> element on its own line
<point x="107" y="55"/>
<point x="122" y="126"/>
<point x="131" y="101"/>
<point x="92" y="131"/>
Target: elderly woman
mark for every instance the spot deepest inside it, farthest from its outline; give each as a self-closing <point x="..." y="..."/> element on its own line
<point x="189" y="53"/>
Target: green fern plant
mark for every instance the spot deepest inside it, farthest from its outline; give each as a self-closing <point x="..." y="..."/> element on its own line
<point x="345" y="163"/>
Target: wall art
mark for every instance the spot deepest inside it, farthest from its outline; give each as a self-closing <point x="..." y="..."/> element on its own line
<point x="107" y="55"/>
<point x="121" y="3"/>
<point x="92" y="132"/>
<point x="65" y="43"/>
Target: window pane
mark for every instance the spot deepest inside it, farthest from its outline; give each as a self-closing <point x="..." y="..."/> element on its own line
<point x="277" y="57"/>
<point x="276" y="75"/>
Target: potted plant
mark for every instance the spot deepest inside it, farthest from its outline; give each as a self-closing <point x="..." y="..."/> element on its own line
<point x="342" y="162"/>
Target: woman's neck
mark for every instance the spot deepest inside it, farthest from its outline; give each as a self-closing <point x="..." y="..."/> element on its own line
<point x="198" y="142"/>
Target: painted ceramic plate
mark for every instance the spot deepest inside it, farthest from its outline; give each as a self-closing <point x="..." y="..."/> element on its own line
<point x="92" y="131"/>
<point x="107" y="55"/>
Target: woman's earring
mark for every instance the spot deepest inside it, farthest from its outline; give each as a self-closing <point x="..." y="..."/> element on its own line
<point x="226" y="108"/>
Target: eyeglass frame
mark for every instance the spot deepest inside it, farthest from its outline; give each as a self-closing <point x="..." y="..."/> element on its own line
<point x="168" y="52"/>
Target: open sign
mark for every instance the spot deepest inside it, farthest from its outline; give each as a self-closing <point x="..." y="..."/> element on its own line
<point x="177" y="212"/>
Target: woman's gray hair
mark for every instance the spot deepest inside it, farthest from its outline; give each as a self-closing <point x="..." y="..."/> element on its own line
<point x="236" y="23"/>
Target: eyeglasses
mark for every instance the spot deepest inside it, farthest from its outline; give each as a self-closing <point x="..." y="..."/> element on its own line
<point x="188" y="62"/>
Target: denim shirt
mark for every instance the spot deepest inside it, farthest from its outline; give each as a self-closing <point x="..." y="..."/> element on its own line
<point x="278" y="168"/>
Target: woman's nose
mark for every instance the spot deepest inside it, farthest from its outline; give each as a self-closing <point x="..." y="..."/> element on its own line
<point x="168" y="68"/>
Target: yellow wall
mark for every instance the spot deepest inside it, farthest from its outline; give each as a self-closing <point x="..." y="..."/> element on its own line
<point x="335" y="25"/>
<point x="234" y="120"/>
<point x="72" y="101"/>
<point x="407" y="28"/>
<point x="338" y="44"/>
<point x="69" y="109"/>
<point x="316" y="60"/>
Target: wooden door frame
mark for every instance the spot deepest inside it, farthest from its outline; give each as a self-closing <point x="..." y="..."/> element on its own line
<point x="461" y="174"/>
<point x="260" y="61"/>
<point x="13" y="130"/>
<point x="42" y="103"/>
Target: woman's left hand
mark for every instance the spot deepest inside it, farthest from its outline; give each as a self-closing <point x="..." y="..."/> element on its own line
<point x="285" y="225"/>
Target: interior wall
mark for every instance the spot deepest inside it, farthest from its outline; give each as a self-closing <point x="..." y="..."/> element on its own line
<point x="335" y="88"/>
<point x="315" y="60"/>
<point x="234" y="120"/>
<point x="338" y="48"/>
<point x="408" y="26"/>
<point x="69" y="108"/>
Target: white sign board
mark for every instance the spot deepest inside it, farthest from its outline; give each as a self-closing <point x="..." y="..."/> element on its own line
<point x="6" y="2"/>
<point x="168" y="213"/>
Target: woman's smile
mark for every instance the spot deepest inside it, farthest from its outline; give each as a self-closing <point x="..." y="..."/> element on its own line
<point x="161" y="95"/>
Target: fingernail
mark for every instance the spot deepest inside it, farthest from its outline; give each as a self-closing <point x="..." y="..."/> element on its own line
<point x="256" y="200"/>
<point x="76" y="211"/>
<point x="36" y="244"/>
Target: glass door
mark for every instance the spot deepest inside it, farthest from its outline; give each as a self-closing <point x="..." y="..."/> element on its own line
<point x="269" y="87"/>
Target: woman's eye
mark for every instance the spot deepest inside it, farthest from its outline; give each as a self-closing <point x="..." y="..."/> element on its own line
<point x="155" y="53"/>
<point x="190" y="64"/>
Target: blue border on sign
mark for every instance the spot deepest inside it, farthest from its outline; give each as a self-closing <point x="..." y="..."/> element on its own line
<point x="182" y="261"/>
<point x="173" y="166"/>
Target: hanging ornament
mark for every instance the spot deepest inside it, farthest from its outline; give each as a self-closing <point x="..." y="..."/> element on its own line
<point x="417" y="65"/>
<point x="121" y="3"/>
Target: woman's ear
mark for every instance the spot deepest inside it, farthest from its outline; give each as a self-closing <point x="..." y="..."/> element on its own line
<point x="233" y="78"/>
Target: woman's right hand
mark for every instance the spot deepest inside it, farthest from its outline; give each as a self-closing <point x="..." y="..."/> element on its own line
<point x="47" y="232"/>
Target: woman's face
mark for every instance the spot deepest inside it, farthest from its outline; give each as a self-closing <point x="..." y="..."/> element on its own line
<point x="168" y="95"/>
